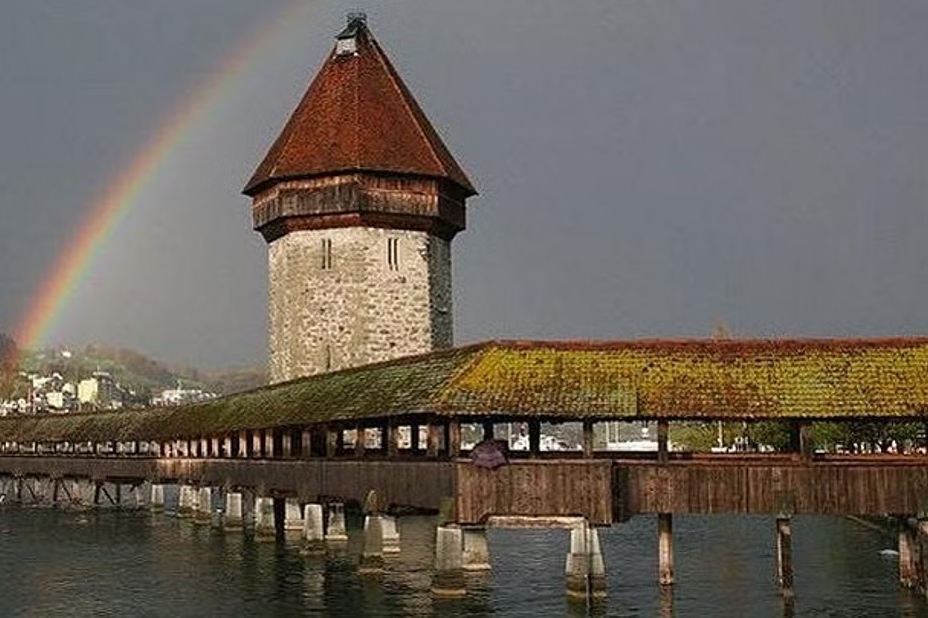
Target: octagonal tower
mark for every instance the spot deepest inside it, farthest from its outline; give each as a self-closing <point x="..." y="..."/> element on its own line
<point x="358" y="200"/>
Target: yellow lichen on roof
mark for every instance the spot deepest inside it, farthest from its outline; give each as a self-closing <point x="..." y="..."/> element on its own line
<point x="821" y="379"/>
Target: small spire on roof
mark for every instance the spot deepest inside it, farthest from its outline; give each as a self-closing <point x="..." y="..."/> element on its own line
<point x="346" y="40"/>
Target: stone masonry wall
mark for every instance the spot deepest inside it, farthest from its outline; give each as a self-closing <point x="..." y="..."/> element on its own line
<point x="359" y="310"/>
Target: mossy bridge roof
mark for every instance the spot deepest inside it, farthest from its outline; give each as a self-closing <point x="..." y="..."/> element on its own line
<point x="632" y="380"/>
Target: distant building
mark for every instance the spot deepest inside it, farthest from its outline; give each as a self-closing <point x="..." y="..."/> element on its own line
<point x="180" y="396"/>
<point x="100" y="391"/>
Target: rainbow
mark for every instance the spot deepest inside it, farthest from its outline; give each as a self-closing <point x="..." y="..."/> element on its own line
<point x="71" y="266"/>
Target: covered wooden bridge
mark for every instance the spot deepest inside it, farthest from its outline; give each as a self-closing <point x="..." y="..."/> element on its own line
<point x="301" y="437"/>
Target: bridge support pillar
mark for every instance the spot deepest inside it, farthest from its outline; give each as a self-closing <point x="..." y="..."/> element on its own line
<point x="336" y="532"/>
<point x="185" y="501"/>
<point x="372" y="546"/>
<point x="785" y="556"/>
<point x="665" y="548"/>
<point x="157" y="498"/>
<point x="585" y="569"/>
<point x="908" y="555"/>
<point x="264" y="519"/>
<point x="313" y="530"/>
<point x="233" y="520"/>
<point x="82" y="493"/>
<point x="293" y="518"/>
<point x="448" y="580"/>
<point x="203" y="515"/>
<point x="391" y="535"/>
<point x="476" y="551"/>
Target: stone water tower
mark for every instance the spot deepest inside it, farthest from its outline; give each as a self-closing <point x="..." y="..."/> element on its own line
<point x="358" y="200"/>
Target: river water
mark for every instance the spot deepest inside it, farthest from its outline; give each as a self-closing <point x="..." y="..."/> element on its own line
<point x="121" y="562"/>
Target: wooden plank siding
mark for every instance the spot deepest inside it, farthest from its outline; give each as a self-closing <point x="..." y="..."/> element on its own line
<point x="828" y="488"/>
<point x="419" y="485"/>
<point x="535" y="488"/>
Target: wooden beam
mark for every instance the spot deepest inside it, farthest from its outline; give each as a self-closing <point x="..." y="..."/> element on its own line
<point x="663" y="432"/>
<point x="360" y="441"/>
<point x="306" y="443"/>
<point x="488" y="430"/>
<point x="587" y="439"/>
<point x="389" y="437"/>
<point x="331" y="440"/>
<point x="434" y="437"/>
<point x="534" y="437"/>
<point x="414" y="437"/>
<point x="454" y="438"/>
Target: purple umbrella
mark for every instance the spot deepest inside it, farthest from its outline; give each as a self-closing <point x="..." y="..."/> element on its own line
<point x="489" y="454"/>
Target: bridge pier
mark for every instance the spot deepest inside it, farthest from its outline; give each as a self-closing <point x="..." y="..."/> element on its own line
<point x="336" y="532"/>
<point x="157" y="498"/>
<point x="264" y="519"/>
<point x="203" y="513"/>
<point x="293" y="518"/>
<point x="448" y="579"/>
<point x="372" y="546"/>
<point x="585" y="569"/>
<point x="185" y="501"/>
<point x="233" y="517"/>
<point x="391" y="535"/>
<point x="313" y="530"/>
<point x="476" y="551"/>
<point x="785" y="556"/>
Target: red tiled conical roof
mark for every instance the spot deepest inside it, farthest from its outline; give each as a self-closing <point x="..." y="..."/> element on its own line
<point x="357" y="115"/>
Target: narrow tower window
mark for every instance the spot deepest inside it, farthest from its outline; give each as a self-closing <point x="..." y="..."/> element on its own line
<point x="326" y="254"/>
<point x="393" y="253"/>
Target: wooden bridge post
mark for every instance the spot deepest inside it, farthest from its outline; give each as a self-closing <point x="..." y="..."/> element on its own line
<point x="331" y="441"/>
<point x="663" y="434"/>
<point x="785" y="554"/>
<point x="269" y="451"/>
<point x="534" y="437"/>
<point x="257" y="444"/>
<point x="665" y="549"/>
<point x="587" y="439"/>
<point x="908" y="554"/>
<point x="389" y="437"/>
<point x="360" y="440"/>
<point x="453" y="427"/>
<point x="306" y="442"/>
<point x="285" y="434"/>
<point x="434" y="438"/>
<point x="414" y="437"/>
<point x="487" y="432"/>
<point x="921" y="536"/>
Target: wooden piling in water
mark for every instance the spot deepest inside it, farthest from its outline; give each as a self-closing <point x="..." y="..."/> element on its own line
<point x="908" y="554"/>
<point x="665" y="549"/>
<point x="785" y="556"/>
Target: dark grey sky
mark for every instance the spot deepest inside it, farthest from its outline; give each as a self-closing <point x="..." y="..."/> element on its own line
<point x="646" y="168"/>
